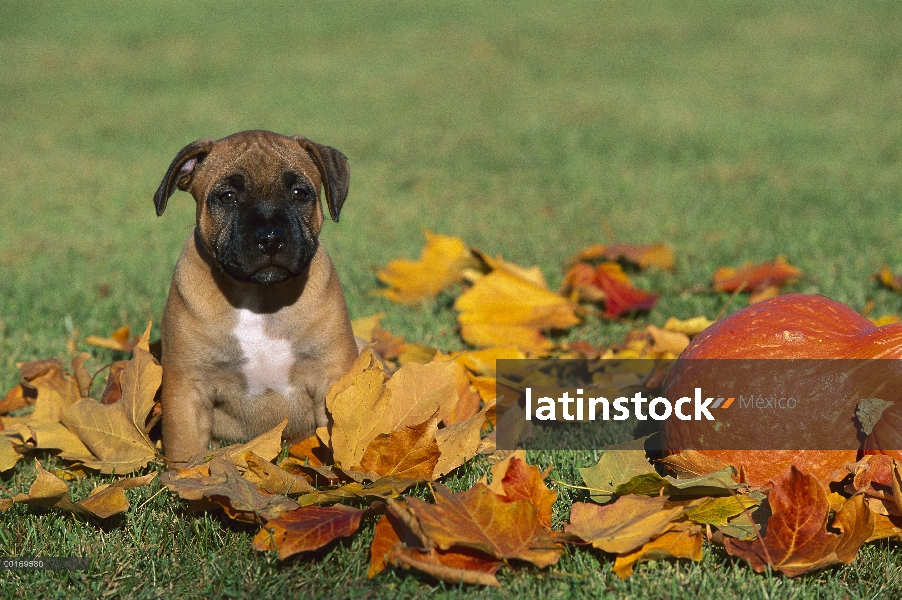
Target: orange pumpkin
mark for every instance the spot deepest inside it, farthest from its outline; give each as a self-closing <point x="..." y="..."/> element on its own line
<point x="793" y="326"/>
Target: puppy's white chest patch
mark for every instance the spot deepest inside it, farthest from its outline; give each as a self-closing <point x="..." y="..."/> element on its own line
<point x="268" y="360"/>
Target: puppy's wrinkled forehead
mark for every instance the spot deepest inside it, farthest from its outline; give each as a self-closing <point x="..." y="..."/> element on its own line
<point x="263" y="158"/>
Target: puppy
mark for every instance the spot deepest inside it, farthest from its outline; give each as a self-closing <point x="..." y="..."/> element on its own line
<point x="255" y="327"/>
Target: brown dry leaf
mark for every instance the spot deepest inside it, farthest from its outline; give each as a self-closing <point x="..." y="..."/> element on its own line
<point x="308" y="528"/>
<point x="752" y="278"/>
<point x="460" y="442"/>
<point x="623" y="526"/>
<point x="409" y="453"/>
<point x="443" y="260"/>
<point x="384" y="487"/>
<point x="797" y="540"/>
<point x="468" y="400"/>
<point x="363" y="406"/>
<point x="886" y="527"/>
<point x="112" y="392"/>
<point x="453" y="566"/>
<point x="691" y="463"/>
<point x="502" y="308"/>
<point x="267" y="446"/>
<point x="273" y="479"/>
<point x="119" y="340"/>
<point x="49" y="491"/>
<point x="220" y="482"/>
<point x="684" y="541"/>
<point x="480" y="519"/>
<point x="8" y="456"/>
<point x="115" y="433"/>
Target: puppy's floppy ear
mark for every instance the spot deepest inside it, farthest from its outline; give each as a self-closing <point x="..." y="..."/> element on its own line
<point x="181" y="170"/>
<point x="333" y="170"/>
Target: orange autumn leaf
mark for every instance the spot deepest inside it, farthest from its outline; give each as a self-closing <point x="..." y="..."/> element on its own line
<point x="312" y="450"/>
<point x="502" y="308"/>
<point x="515" y="479"/>
<point x="440" y="265"/>
<point x="753" y="278"/>
<point x="609" y="284"/>
<point x="393" y="542"/>
<point x="308" y="528"/>
<point x="482" y="520"/>
<point x="409" y="453"/>
<point x="797" y="539"/>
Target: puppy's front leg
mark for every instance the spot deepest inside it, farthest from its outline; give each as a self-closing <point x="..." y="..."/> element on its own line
<point x="187" y="420"/>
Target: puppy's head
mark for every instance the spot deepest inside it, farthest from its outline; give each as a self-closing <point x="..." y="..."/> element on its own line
<point x="257" y="194"/>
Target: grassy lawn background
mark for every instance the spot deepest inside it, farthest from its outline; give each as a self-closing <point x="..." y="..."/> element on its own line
<point x="531" y="129"/>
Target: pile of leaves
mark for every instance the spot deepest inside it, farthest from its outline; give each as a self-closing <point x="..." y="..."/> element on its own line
<point x="406" y="415"/>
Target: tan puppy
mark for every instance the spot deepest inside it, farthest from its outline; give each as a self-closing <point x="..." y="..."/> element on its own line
<point x="256" y="327"/>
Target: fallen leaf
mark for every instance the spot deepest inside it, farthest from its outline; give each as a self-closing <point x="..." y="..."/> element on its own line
<point x="410" y="452"/>
<point x="8" y="456"/>
<point x="719" y="511"/>
<point x="502" y="308"/>
<point x="522" y="481"/>
<point x="888" y="279"/>
<point x="441" y="263"/>
<point x="267" y="446"/>
<point x="312" y="450"/>
<point x="480" y="519"/>
<point x="363" y="405"/>
<point x="363" y="327"/>
<point x="307" y="528"/>
<point x="643" y="255"/>
<point x="616" y="467"/>
<point x="691" y="463"/>
<point x="797" y="539"/>
<point x="220" y="482"/>
<point x="607" y="283"/>
<point x="460" y="442"/>
<point x="623" y="526"/>
<point x="115" y="433"/>
<point x="691" y="327"/>
<point x="273" y="479"/>
<point x="751" y="278"/>
<point x="668" y="341"/>
<point x="118" y="340"/>
<point x="684" y="541"/>
<point x="452" y="566"/>
<point x="49" y="491"/>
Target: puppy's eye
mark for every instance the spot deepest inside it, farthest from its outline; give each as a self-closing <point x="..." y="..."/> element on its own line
<point x="300" y="194"/>
<point x="227" y="196"/>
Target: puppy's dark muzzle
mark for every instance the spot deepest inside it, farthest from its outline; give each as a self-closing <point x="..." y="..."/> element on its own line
<point x="270" y="240"/>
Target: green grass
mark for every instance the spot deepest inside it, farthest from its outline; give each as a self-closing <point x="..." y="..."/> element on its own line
<point x="732" y="131"/>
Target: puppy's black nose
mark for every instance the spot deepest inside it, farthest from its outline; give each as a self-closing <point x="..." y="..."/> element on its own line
<point x="270" y="240"/>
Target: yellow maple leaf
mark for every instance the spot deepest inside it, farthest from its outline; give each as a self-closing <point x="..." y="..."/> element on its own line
<point x="502" y="308"/>
<point x="441" y="263"/>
